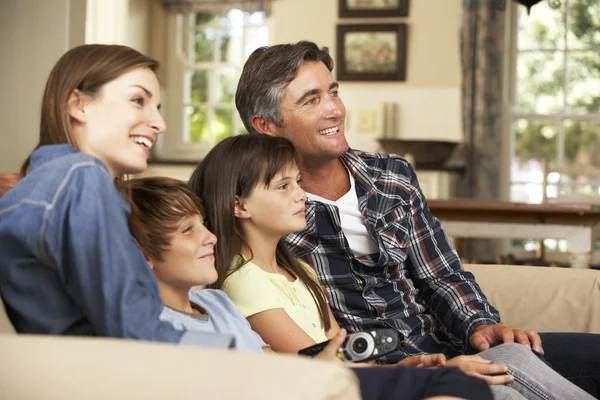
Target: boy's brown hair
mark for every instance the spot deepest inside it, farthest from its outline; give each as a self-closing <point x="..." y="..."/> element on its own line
<point x="157" y="206"/>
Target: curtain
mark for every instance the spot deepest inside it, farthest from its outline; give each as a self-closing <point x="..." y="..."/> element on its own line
<point x="482" y="59"/>
<point x="217" y="6"/>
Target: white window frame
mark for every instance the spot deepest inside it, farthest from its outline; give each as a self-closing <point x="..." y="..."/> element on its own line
<point x="173" y="146"/>
<point x="557" y="118"/>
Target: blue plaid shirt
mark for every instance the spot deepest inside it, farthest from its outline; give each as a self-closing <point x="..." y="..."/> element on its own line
<point x="414" y="284"/>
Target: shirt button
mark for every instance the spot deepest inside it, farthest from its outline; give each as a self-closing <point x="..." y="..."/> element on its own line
<point x="314" y="325"/>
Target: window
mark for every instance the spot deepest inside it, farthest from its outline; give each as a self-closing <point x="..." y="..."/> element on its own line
<point x="205" y="61"/>
<point x="556" y="107"/>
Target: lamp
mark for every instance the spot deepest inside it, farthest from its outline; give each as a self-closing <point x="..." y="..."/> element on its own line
<point x="554" y="4"/>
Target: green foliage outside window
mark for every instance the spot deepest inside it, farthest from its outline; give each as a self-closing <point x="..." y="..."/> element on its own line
<point x="219" y="46"/>
<point x="541" y="80"/>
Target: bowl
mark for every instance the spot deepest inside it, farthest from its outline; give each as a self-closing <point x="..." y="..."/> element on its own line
<point x="424" y="152"/>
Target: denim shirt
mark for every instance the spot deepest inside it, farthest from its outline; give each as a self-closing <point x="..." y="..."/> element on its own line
<point x="68" y="263"/>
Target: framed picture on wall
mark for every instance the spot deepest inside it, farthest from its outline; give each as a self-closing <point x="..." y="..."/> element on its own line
<point x="371" y="52"/>
<point x="372" y="8"/>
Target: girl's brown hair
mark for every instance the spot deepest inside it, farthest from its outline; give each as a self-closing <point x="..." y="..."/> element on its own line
<point x="234" y="167"/>
<point x="86" y="68"/>
<point x="157" y="206"/>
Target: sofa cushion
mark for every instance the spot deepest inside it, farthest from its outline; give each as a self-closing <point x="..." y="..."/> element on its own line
<point x="546" y="299"/>
<point x="51" y="367"/>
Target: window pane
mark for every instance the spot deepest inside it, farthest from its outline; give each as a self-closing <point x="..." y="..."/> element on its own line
<point x="231" y="45"/>
<point x="227" y="85"/>
<point x="198" y="124"/>
<point x="255" y="36"/>
<point x="582" y="143"/>
<point x="199" y="87"/>
<point x="224" y="42"/>
<point x="204" y="45"/>
<point x="203" y="18"/>
<point x="543" y="28"/>
<point x="584" y="82"/>
<point x="535" y="143"/>
<point x="540" y="82"/>
<point x="223" y="123"/>
<point x="584" y="24"/>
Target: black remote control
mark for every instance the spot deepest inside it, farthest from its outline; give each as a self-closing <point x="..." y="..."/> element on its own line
<point x="362" y="346"/>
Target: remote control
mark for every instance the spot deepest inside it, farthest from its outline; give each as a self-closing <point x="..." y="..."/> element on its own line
<point x="362" y="346"/>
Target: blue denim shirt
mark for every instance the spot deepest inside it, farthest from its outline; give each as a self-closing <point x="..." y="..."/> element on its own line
<point x="68" y="263"/>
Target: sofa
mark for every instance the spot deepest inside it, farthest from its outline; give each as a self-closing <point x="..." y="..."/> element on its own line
<point x="43" y="367"/>
<point x="48" y="367"/>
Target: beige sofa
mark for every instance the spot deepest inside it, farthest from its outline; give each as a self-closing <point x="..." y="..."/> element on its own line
<point x="543" y="298"/>
<point x="42" y="367"/>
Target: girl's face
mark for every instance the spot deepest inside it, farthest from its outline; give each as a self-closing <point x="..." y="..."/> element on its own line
<point x="277" y="209"/>
<point x="120" y="125"/>
<point x="189" y="260"/>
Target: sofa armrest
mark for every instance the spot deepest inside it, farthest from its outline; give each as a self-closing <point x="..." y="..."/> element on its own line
<point x="546" y="299"/>
<point x="54" y="367"/>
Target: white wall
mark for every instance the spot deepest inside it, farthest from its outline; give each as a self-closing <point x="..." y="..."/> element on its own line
<point x="33" y="35"/>
<point x="429" y="100"/>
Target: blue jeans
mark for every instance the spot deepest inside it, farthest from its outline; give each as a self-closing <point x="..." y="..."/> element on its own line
<point x="533" y="379"/>
<point x="576" y="356"/>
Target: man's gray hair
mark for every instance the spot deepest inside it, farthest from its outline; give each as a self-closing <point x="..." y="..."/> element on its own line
<point x="266" y="76"/>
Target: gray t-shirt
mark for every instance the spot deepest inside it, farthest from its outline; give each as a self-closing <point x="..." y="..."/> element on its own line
<point x="223" y="318"/>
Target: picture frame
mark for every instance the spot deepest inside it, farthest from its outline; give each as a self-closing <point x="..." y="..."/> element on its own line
<point x="371" y="52"/>
<point x="372" y="8"/>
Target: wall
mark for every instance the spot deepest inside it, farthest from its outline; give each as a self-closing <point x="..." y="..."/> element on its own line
<point x="429" y="100"/>
<point x="33" y="35"/>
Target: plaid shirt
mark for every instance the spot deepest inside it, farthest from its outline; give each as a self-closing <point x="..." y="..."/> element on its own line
<point x="415" y="284"/>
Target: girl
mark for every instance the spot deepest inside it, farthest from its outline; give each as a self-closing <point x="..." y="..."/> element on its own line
<point x="68" y="264"/>
<point x="255" y="200"/>
<point x="167" y="221"/>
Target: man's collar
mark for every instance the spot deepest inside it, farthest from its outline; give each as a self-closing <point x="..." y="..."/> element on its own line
<point x="363" y="174"/>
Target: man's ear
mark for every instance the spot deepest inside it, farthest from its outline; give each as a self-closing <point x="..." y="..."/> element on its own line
<point x="76" y="105"/>
<point x="263" y="126"/>
<point x="240" y="210"/>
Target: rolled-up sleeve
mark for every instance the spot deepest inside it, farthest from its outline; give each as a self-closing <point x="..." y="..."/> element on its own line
<point x="451" y="292"/>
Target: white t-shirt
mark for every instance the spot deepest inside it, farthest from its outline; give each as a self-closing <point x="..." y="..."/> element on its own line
<point x="353" y="223"/>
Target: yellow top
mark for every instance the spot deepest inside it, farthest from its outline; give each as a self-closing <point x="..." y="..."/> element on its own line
<point x="254" y="290"/>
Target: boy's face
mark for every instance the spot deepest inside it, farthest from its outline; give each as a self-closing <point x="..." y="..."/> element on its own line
<point x="189" y="260"/>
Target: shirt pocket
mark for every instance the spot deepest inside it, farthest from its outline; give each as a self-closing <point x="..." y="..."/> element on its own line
<point x="393" y="236"/>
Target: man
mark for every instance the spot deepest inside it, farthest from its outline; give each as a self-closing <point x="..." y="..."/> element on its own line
<point x="384" y="260"/>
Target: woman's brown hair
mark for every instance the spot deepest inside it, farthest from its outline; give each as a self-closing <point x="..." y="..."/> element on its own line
<point x="234" y="167"/>
<point x="86" y="68"/>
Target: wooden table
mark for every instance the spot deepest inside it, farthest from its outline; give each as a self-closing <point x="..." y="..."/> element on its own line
<point x="578" y="224"/>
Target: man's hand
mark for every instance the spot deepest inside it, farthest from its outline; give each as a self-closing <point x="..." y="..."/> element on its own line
<point x="493" y="374"/>
<point x="484" y="336"/>
<point x="424" y="361"/>
<point x="329" y="352"/>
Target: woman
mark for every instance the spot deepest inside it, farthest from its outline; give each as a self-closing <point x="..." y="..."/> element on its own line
<point x="68" y="263"/>
<point x="250" y="205"/>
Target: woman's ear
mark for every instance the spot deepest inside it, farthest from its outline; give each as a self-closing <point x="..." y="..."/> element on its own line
<point x="76" y="106"/>
<point x="240" y="210"/>
<point x="149" y="261"/>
